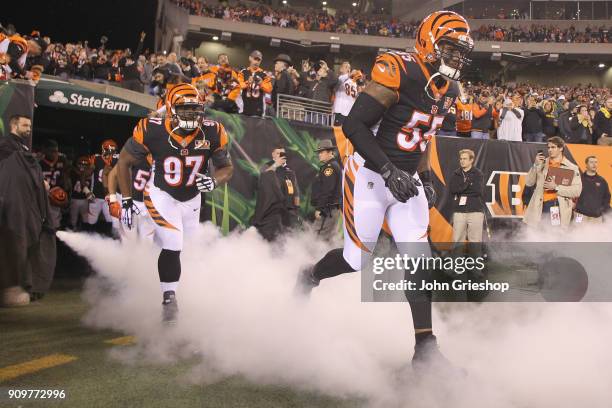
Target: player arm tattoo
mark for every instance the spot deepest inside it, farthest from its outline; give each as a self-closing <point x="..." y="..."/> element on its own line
<point x="223" y="166"/>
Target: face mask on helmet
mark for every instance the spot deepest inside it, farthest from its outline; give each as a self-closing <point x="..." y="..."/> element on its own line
<point x="453" y="58"/>
<point x="188" y="115"/>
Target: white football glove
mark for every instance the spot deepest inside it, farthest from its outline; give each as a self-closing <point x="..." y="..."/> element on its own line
<point x="205" y="183"/>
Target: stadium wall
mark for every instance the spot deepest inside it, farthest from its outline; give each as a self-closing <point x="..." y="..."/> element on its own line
<point x="504" y="164"/>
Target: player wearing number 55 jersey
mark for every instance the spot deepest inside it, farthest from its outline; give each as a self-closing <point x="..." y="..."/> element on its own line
<point x="180" y="146"/>
<point x="408" y="96"/>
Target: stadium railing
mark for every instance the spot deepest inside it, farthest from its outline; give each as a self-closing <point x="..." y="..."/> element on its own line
<point x="304" y="110"/>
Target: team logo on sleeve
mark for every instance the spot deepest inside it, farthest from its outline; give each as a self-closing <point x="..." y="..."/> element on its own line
<point x="202" y="144"/>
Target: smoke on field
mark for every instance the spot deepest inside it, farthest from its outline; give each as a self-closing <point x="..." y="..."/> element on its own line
<point x="238" y="317"/>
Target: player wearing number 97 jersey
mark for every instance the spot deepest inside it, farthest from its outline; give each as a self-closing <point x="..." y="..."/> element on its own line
<point x="408" y="97"/>
<point x="180" y="145"/>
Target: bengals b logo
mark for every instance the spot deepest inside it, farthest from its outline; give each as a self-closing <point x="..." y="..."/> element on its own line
<point x="506" y="194"/>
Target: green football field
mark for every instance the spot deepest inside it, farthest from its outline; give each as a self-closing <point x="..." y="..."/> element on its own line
<point x="45" y="346"/>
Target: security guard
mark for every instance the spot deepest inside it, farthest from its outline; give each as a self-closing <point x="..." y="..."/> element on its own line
<point x="326" y="191"/>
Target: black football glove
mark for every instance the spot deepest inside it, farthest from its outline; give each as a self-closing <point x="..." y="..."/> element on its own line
<point x="430" y="193"/>
<point x="401" y="184"/>
<point x="128" y="209"/>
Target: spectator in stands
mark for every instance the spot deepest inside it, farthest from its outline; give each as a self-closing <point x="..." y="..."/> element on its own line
<point x="585" y="128"/>
<point x="602" y="124"/>
<point x="550" y="203"/>
<point x="256" y="84"/>
<point x="464" y="115"/>
<point x="449" y="125"/>
<point x="227" y="89"/>
<point x="510" y="122"/>
<point x="569" y="125"/>
<point x="594" y="199"/>
<point x="131" y="68"/>
<point x="283" y="82"/>
<point x="164" y="62"/>
<point x="482" y="116"/>
<point x="26" y="231"/>
<point x="189" y="68"/>
<point x="467" y="188"/>
<point x="101" y="69"/>
<point x="533" y="122"/>
<point x="549" y="122"/>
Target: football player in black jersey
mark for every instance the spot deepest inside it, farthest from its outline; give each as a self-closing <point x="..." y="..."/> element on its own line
<point x="81" y="195"/>
<point x="55" y="171"/>
<point x="141" y="173"/>
<point x="103" y="163"/>
<point x="409" y="95"/>
<point x="180" y="146"/>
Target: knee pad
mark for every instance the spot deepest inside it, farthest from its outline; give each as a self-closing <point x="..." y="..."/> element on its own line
<point x="169" y="265"/>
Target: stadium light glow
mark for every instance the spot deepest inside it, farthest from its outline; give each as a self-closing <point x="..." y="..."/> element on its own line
<point x="354" y="4"/>
<point x="324" y="3"/>
<point x="602" y="65"/>
<point x="284" y="1"/>
<point x="215" y="38"/>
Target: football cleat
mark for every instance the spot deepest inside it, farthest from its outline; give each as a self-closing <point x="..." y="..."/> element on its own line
<point x="169" y="308"/>
<point x="305" y="282"/>
<point x="428" y="357"/>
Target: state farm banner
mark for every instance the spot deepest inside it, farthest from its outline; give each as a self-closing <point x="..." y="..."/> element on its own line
<point x="57" y="93"/>
<point x="503" y="163"/>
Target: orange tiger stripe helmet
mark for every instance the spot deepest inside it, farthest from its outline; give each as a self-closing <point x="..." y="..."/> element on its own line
<point x="184" y="106"/>
<point x="443" y="40"/>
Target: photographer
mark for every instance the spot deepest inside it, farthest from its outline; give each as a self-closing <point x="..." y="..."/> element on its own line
<point x="482" y="116"/>
<point x="569" y="124"/>
<point x="550" y="199"/>
<point x="533" y="122"/>
<point x="510" y="122"/>
<point x="255" y="85"/>
<point x="467" y="187"/>
<point x="278" y="197"/>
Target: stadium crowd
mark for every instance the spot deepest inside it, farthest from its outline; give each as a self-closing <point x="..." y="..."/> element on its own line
<point x="356" y="23"/>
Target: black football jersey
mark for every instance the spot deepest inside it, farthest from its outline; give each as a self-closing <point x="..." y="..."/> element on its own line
<point x="79" y="182"/>
<point x="141" y="173"/>
<point x="408" y="125"/>
<point x="177" y="159"/>
<point x="54" y="172"/>
<point x="253" y="93"/>
<point x="98" y="174"/>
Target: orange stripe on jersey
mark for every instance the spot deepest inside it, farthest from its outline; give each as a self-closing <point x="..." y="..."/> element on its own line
<point x="139" y="130"/>
<point x="182" y="140"/>
<point x="349" y="215"/>
<point x="386" y="71"/>
<point x="223" y="139"/>
<point x="155" y="215"/>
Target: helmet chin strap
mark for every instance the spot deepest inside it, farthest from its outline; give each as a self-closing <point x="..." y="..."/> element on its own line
<point x="447" y="71"/>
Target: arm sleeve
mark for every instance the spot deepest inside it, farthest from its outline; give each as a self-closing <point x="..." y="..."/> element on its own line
<point x="221" y="158"/>
<point x="605" y="202"/>
<point x="457" y="184"/>
<point x="366" y="112"/>
<point x="136" y="149"/>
